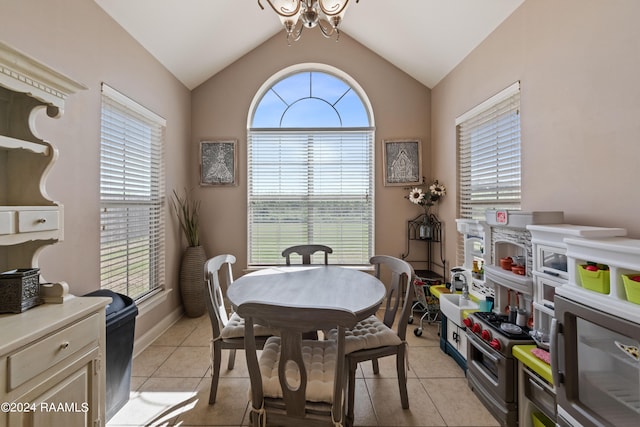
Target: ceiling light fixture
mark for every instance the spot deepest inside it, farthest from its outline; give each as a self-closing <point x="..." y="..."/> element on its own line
<point x="297" y="15"/>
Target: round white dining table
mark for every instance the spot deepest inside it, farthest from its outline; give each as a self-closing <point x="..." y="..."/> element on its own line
<point x="310" y="286"/>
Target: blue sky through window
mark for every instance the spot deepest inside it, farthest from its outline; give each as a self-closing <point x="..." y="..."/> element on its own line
<point x="310" y="99"/>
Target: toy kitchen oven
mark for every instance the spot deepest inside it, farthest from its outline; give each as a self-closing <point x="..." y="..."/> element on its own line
<point x="491" y="368"/>
<point x="596" y="334"/>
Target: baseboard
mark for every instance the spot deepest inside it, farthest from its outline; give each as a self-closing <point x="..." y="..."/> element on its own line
<point x="142" y="342"/>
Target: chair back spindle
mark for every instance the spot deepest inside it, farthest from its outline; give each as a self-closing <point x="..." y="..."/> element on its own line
<point x="291" y="404"/>
<point x="306" y="251"/>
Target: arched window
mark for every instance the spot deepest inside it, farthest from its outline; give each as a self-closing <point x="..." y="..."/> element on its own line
<point x="310" y="167"/>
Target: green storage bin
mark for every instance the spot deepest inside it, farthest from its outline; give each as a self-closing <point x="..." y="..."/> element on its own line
<point x="597" y="281"/>
<point x="541" y="420"/>
<point x="632" y="288"/>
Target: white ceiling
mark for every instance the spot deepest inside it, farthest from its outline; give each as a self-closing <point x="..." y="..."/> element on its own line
<point x="195" y="39"/>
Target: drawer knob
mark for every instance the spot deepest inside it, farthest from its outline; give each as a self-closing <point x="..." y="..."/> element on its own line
<point x="42" y="220"/>
<point x="64" y="345"/>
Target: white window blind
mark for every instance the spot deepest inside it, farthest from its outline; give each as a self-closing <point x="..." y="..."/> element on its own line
<point x="489" y="168"/>
<point x="310" y="187"/>
<point x="131" y="196"/>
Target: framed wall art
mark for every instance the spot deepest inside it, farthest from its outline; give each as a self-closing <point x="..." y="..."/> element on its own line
<point x="219" y="162"/>
<point x="402" y="162"/>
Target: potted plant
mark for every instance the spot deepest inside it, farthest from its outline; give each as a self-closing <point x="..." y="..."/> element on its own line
<point x="192" y="284"/>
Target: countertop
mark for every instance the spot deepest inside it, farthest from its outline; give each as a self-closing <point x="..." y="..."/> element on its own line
<point x="19" y="329"/>
<point x="438" y="290"/>
<point x="523" y="354"/>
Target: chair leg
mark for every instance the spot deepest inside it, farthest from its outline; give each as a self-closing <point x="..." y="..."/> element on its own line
<point x="215" y="375"/>
<point x="232" y="359"/>
<point x="254" y="417"/>
<point x="376" y="367"/>
<point x="351" y="392"/>
<point x="402" y="377"/>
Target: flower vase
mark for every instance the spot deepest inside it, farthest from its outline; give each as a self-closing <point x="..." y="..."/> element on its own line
<point x="426" y="229"/>
<point x="192" y="285"/>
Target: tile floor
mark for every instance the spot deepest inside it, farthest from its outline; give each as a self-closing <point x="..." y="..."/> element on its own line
<point x="171" y="378"/>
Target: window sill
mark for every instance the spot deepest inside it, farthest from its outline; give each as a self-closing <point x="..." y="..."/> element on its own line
<point x="150" y="302"/>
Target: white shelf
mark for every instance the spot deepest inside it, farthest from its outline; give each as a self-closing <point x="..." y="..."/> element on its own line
<point x="8" y="143"/>
<point x="543" y="308"/>
<point x="606" y="303"/>
<point x="520" y="283"/>
<point x="622" y="255"/>
<point x="572" y="230"/>
<point x="21" y="73"/>
<point x="613" y="251"/>
<point x="26" y="159"/>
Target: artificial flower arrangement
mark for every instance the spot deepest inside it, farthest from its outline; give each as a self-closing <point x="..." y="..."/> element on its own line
<point x="427" y="199"/>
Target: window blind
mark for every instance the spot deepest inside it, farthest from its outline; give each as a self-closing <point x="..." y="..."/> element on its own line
<point x="310" y="187"/>
<point x="489" y="168"/>
<point x="489" y="158"/>
<point x="131" y="196"/>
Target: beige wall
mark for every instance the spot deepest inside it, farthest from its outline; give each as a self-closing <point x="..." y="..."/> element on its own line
<point x="78" y="39"/>
<point x="220" y="106"/>
<point x="578" y="63"/>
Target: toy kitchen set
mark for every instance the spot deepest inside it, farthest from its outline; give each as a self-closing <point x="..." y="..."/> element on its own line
<point x="548" y="342"/>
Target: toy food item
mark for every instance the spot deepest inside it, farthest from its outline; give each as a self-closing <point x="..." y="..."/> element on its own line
<point x="630" y="350"/>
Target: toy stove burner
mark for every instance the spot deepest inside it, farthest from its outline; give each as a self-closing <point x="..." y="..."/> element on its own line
<point x="500" y="324"/>
<point x="510" y="328"/>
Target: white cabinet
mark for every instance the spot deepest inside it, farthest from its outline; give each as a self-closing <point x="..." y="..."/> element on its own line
<point x="551" y="264"/>
<point x="457" y="338"/>
<point x="51" y="364"/>
<point x="51" y="356"/>
<point x="474" y="237"/>
<point x="29" y="220"/>
<point x="622" y="256"/>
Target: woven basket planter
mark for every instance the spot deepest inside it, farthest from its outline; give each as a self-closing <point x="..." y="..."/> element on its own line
<point x="192" y="284"/>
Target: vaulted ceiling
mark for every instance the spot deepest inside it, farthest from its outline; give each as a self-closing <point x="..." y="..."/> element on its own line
<point x="195" y="39"/>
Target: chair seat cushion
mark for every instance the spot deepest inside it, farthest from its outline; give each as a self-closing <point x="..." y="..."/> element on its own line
<point x="368" y="333"/>
<point x="235" y="329"/>
<point x="320" y="363"/>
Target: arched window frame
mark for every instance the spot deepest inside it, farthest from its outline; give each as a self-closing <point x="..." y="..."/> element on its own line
<point x="332" y="216"/>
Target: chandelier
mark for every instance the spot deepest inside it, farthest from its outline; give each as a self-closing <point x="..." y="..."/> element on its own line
<point x="296" y="15"/>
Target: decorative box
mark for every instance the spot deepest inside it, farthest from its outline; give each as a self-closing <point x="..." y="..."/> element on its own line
<point x="19" y="290"/>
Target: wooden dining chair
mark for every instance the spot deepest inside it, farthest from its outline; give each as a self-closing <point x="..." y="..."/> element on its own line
<point x="373" y="338"/>
<point x="228" y="331"/>
<point x="296" y="382"/>
<point x="306" y="251"/>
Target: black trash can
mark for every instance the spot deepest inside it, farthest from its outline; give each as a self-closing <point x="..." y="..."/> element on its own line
<point x="121" y="322"/>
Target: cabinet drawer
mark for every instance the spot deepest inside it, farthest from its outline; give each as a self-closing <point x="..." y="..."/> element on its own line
<point x="545" y="290"/>
<point x="30" y="221"/>
<point x="38" y="357"/>
<point x="541" y="393"/>
<point x="552" y="261"/>
<point x="7" y="222"/>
